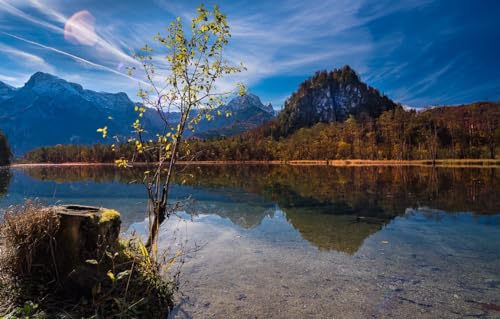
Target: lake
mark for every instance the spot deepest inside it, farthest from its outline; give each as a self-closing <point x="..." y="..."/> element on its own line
<point x="310" y="242"/>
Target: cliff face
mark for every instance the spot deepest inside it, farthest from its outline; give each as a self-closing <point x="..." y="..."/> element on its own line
<point x="331" y="97"/>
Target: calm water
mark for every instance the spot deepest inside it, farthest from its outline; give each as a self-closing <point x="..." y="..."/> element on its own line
<point x="311" y="242"/>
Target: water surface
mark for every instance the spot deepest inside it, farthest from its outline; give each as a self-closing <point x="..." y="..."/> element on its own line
<point x="311" y="242"/>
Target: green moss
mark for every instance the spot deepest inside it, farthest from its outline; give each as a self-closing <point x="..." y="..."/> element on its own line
<point x="108" y="215"/>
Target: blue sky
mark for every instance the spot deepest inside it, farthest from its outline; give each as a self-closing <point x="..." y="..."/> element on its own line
<point x="418" y="52"/>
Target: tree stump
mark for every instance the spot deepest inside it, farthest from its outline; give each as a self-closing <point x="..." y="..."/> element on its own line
<point x="84" y="234"/>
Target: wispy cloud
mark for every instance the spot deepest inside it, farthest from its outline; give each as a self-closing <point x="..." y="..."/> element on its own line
<point x="5" y="6"/>
<point x="26" y="58"/>
<point x="11" y="80"/>
<point x="392" y="45"/>
<point x="76" y="58"/>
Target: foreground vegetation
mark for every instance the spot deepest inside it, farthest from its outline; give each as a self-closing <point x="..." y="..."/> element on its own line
<point x="117" y="281"/>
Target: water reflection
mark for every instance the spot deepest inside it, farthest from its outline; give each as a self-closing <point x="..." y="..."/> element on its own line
<point x="311" y="242"/>
<point x="5" y="177"/>
<point x="331" y="208"/>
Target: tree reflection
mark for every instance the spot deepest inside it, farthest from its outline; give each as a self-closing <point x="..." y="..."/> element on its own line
<point x="334" y="208"/>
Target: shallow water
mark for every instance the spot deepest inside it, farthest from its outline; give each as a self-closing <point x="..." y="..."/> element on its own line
<point x="312" y="242"/>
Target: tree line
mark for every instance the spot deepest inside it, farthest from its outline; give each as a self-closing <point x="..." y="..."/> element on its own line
<point x="445" y="132"/>
<point x="460" y="132"/>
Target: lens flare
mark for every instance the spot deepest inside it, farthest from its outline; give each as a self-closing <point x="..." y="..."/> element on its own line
<point x="80" y="29"/>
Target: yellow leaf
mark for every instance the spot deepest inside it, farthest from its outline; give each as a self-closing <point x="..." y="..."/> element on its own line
<point x="143" y="249"/>
<point x="111" y="275"/>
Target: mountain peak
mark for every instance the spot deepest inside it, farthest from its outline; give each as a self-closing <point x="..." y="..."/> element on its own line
<point x="246" y="101"/>
<point x="331" y="97"/>
<point x="42" y="77"/>
<point x="44" y="82"/>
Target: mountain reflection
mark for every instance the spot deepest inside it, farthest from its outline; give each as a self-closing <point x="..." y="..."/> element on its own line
<point x="332" y="208"/>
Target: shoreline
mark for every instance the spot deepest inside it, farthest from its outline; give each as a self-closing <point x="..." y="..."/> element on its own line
<point x="466" y="163"/>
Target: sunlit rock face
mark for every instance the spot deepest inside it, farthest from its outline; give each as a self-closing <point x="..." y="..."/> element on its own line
<point x="331" y="97"/>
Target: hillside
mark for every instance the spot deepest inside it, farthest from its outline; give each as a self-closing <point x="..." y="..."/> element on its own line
<point x="467" y="131"/>
<point x="330" y="97"/>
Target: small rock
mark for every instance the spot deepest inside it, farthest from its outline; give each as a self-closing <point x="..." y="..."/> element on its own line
<point x="242" y="297"/>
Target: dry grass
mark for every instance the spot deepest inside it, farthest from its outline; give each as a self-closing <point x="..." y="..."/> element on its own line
<point x="27" y="233"/>
<point x="129" y="284"/>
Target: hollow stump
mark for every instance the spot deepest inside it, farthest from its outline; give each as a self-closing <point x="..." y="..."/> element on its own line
<point x="84" y="235"/>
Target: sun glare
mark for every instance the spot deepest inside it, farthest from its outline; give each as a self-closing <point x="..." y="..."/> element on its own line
<point x="80" y="29"/>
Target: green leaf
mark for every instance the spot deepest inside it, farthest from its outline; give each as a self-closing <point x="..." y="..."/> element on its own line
<point x="91" y="261"/>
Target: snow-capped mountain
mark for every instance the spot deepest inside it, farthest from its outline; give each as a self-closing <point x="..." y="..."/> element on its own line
<point x="48" y="110"/>
<point x="247" y="112"/>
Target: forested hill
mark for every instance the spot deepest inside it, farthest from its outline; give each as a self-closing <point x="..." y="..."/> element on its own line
<point x="455" y="132"/>
<point x="330" y="97"/>
<point x="467" y="131"/>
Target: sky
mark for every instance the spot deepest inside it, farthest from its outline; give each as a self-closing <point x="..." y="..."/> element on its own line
<point x="418" y="52"/>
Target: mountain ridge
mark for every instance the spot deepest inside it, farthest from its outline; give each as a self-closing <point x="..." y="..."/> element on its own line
<point x="49" y="110"/>
<point x="247" y="113"/>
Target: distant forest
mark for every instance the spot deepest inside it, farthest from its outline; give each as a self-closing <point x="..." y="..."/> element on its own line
<point x="455" y="132"/>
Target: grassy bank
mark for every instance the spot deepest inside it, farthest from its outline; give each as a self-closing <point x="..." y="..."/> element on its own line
<point x="472" y="163"/>
<point x="117" y="279"/>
